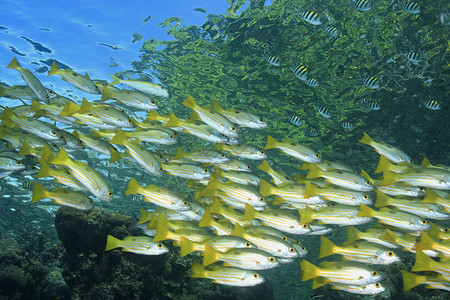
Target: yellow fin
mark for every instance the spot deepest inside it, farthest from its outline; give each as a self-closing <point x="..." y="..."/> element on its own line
<point x="389" y="178"/>
<point x="265" y="188"/>
<point x="306" y="216"/>
<point x="423" y="262"/>
<point x="107" y="93"/>
<point x="425" y="243"/>
<point x="353" y="234"/>
<point x="112" y="243"/>
<point x="327" y="247"/>
<point x="190" y="102"/>
<point x="210" y="255"/>
<point x="382" y="200"/>
<point x="366" y="139"/>
<point x="314" y="172"/>
<point x="85" y="107"/>
<point x="217" y="107"/>
<point x="173" y="121"/>
<point x="120" y="138"/>
<point x="308" y="270"/>
<point x="426" y="162"/>
<point x="271" y="142"/>
<point x="411" y="280"/>
<point x="366" y="211"/>
<point x="133" y="187"/>
<point x="39" y="192"/>
<point x="311" y="190"/>
<point x="383" y="165"/>
<point x="54" y="69"/>
<point x="62" y="158"/>
<point x="186" y="246"/>
<point x="26" y="149"/>
<point x="319" y="282"/>
<point x="216" y="207"/>
<point x="207" y="219"/>
<point x="250" y="212"/>
<point x="116" y="80"/>
<point x="14" y="64"/>
<point x="198" y="271"/>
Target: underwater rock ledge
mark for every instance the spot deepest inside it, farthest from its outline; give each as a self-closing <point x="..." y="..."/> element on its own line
<point x="92" y="273"/>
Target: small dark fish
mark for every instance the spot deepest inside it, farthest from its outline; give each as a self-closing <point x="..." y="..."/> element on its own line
<point x="413" y="57"/>
<point x="390" y="140"/>
<point x="109" y="46"/>
<point x="27" y="185"/>
<point x="372" y="83"/>
<point x="324" y="111"/>
<point x="200" y="9"/>
<point x="347" y="125"/>
<point x="369" y="104"/>
<point x="312" y="82"/>
<point x="432" y="104"/>
<point x="312" y="132"/>
<point x="146" y="19"/>
<point x="295" y="120"/>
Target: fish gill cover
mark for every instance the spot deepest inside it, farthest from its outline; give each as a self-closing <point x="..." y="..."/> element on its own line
<point x="381" y="69"/>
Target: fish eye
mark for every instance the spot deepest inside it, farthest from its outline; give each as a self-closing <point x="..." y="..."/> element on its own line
<point x="171" y="136"/>
<point x="261" y="199"/>
<point x="365" y="197"/>
<point x="271" y="259"/>
<point x="410" y="161"/>
<point x="122" y="110"/>
<point x="390" y="253"/>
<point x="303" y="248"/>
<point x="19" y="162"/>
<point x="185" y="203"/>
<point x="233" y="128"/>
<point x="305" y="226"/>
<point x="160" y="168"/>
<point x="424" y="222"/>
<point x="421" y="188"/>
<point x="223" y="155"/>
<point x="255" y="275"/>
<point x="316" y="155"/>
<point x="110" y="194"/>
<point x="377" y="284"/>
<point x="53" y="132"/>
<point x="291" y="250"/>
<point x="374" y="273"/>
<point x="129" y="121"/>
<point x="152" y="102"/>
<point x="90" y="201"/>
<point x="261" y="152"/>
<point x="329" y="205"/>
<point x="205" y="171"/>
<point x="261" y="120"/>
<point x="446" y="229"/>
<point x="367" y="182"/>
<point x="247" y="244"/>
<point x="284" y="238"/>
<point x="159" y="245"/>
<point x="248" y="167"/>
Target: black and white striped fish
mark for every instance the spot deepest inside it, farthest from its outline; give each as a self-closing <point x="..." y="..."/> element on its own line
<point x="274" y="61"/>
<point x="296" y="121"/>
<point x="312" y="132"/>
<point x="432" y="104"/>
<point x="411" y="7"/>
<point x="413" y="57"/>
<point x="312" y="82"/>
<point x="347" y="125"/>
<point x="324" y="111"/>
<point x="310" y="17"/>
<point x="300" y="71"/>
<point x="362" y="5"/>
<point x="372" y="83"/>
<point x="27" y="185"/>
<point x="332" y="31"/>
<point x="390" y="140"/>
<point x="367" y="103"/>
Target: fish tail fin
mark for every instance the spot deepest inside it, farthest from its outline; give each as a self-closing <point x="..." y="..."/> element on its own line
<point x="210" y="255"/>
<point x="389" y="178"/>
<point x="430" y="197"/>
<point x="115" y="155"/>
<point x="153" y="116"/>
<point x="353" y="234"/>
<point x="311" y="190"/>
<point x="120" y="138"/>
<point x="190" y="102"/>
<point x="271" y="142"/>
<point x="390" y="236"/>
<point x="220" y="147"/>
<point x="25" y="149"/>
<point x="180" y="154"/>
<point x="134" y="221"/>
<point x="308" y="270"/>
<point x="216" y="207"/>
<point x="219" y="173"/>
<point x="207" y="219"/>
<point x="366" y="139"/>
<point x="426" y="162"/>
<point x="54" y="69"/>
<point x="319" y="282"/>
<point x="306" y="216"/>
<point x="35" y="105"/>
<point x="145" y="216"/>
<point x="423" y="262"/>
<point x="314" y="172"/>
<point x="250" y="212"/>
<point x="265" y="188"/>
<point x="107" y="93"/>
<point x="133" y="187"/>
<point x="217" y="107"/>
<point x="116" y="80"/>
<point x="382" y="200"/>
<point x="62" y="158"/>
<point x="411" y="280"/>
<point x="8" y="114"/>
<point x="239" y="231"/>
<point x="198" y="271"/>
<point x="383" y="165"/>
<point x="277" y="200"/>
<point x="327" y="247"/>
<point x="366" y="211"/>
<point x="426" y="242"/>
<point x="39" y="192"/>
<point x="173" y="121"/>
<point x="3" y="91"/>
<point x="265" y="167"/>
<point x="14" y="64"/>
<point x="186" y="246"/>
<point x="213" y="183"/>
<point x="44" y="170"/>
<point x="162" y="233"/>
<point x="112" y="243"/>
<point x="85" y="107"/>
<point x="69" y="109"/>
<point x="305" y="166"/>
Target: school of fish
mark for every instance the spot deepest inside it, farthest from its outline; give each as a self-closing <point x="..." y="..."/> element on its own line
<point x="240" y="222"/>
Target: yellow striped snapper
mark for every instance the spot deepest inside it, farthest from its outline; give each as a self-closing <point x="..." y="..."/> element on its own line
<point x="362" y="251"/>
<point x="342" y="215"/>
<point x="395" y="155"/>
<point x="147" y="216"/>
<point x="385" y="165"/>
<point x="173" y="224"/>
<point x="426" y="242"/>
<point x="407" y="241"/>
<point x="202" y="156"/>
<point x="310" y="17"/>
<point x="399" y="189"/>
<point x="160" y="196"/>
<point x="346" y="272"/>
<point x="432" y="197"/>
<point x="337" y="194"/>
<point x="425" y="177"/>
<point x="11" y="164"/>
<point x="33" y="126"/>
<point x="137" y="244"/>
<point x="72" y="143"/>
<point x="342" y="178"/>
<point x="241" y="118"/>
<point x="23" y="110"/>
<point x="267" y="242"/>
<point x="244" y="258"/>
<point x="425" y="263"/>
<point x="326" y="165"/>
<point x="142" y="86"/>
<point x="134" y="99"/>
<point x="52" y="109"/>
<point x="94" y="122"/>
<point x="99" y="145"/>
<point x="62" y="196"/>
<point x="365" y="289"/>
<point x="278" y="177"/>
<point x="373" y="235"/>
<point x="294" y="149"/>
<point x="230" y="214"/>
<point x="424" y="210"/>
<point x="242" y="151"/>
<point x="143" y="157"/>
<point x="439" y="232"/>
<point x="427" y="164"/>
<point x="226" y="275"/>
<point x="197" y="129"/>
<point x="107" y="113"/>
<point x="23" y="92"/>
<point x="237" y="177"/>
<point x="212" y="118"/>
<point x="396" y="218"/>
<point x="431" y="280"/>
<point x="234" y="165"/>
<point x="79" y="81"/>
<point x="61" y="175"/>
<point x="195" y="235"/>
<point x="220" y="243"/>
<point x="154" y="116"/>
<point x="186" y="171"/>
<point x="291" y="193"/>
<point x="239" y="192"/>
<point x="31" y="80"/>
<point x="89" y="177"/>
<point x="39" y="152"/>
<point x="219" y="228"/>
<point x="153" y="125"/>
<point x="195" y="213"/>
<point x="229" y="200"/>
<point x="281" y="220"/>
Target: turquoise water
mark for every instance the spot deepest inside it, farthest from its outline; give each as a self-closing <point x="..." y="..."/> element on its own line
<point x="224" y="55"/>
